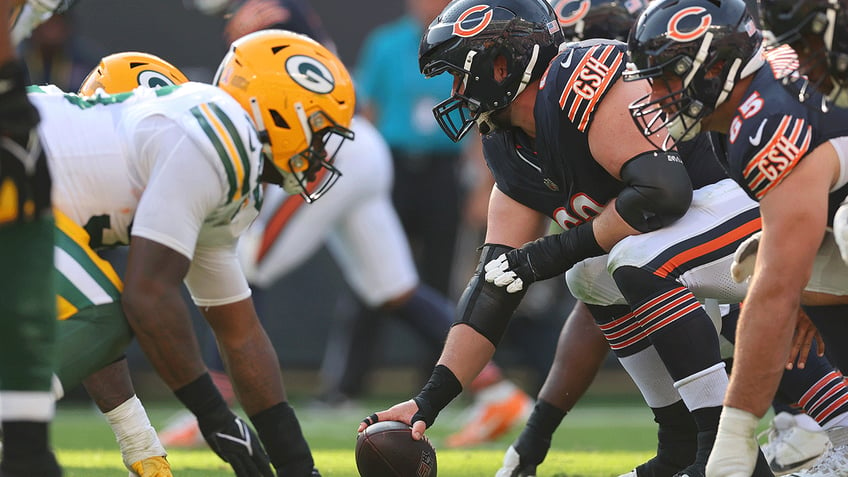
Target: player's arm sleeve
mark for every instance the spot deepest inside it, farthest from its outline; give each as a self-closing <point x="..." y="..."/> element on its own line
<point x="182" y="190"/>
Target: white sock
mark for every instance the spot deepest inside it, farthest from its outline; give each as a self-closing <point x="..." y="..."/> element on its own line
<point x="647" y="370"/>
<point x="134" y="433"/>
<point x="705" y="388"/>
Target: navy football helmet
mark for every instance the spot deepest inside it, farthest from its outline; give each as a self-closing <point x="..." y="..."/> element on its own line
<point x="818" y="30"/>
<point x="585" y="19"/>
<point x="466" y="39"/>
<point x="705" y="46"/>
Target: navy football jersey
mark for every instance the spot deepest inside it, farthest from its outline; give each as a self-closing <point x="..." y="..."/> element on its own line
<point x="556" y="174"/>
<point x="772" y="131"/>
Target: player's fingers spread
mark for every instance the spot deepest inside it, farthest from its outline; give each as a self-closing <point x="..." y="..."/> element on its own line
<point x="794" y="353"/>
<point x="805" y="350"/>
<point x="372" y="419"/>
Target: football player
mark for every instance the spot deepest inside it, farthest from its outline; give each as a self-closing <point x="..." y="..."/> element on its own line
<point x="544" y="114"/>
<point x="818" y="31"/>
<point x="361" y="228"/>
<point x="221" y="138"/>
<point x="93" y="333"/>
<point x="27" y="306"/>
<point x="784" y="140"/>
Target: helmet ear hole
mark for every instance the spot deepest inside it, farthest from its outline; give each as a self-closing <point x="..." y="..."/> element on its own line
<point x="278" y="119"/>
<point x="500" y="69"/>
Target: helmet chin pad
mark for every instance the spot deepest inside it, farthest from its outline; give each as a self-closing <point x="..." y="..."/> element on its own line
<point x="683" y="128"/>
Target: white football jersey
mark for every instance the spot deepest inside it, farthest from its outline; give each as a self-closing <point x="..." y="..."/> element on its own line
<point x="176" y="165"/>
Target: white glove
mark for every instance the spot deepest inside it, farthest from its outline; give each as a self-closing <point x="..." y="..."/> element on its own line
<point x="498" y="272"/>
<point x="745" y="258"/>
<point x="840" y="230"/>
<point x="735" y="449"/>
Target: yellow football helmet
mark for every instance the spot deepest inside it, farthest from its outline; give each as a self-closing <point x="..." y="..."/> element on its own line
<point x="122" y="72"/>
<point x="301" y="98"/>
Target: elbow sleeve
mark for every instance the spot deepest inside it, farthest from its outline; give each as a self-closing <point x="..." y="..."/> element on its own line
<point x="657" y="193"/>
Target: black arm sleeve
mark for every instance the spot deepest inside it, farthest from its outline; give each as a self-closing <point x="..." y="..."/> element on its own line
<point x="483" y="306"/>
<point x="658" y="190"/>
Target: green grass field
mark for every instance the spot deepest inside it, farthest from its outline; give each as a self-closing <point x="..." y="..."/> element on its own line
<point x="595" y="440"/>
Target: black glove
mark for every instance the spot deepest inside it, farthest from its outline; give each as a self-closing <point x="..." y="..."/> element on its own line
<point x="17" y="115"/>
<point x="543" y="258"/>
<point x="439" y="391"/>
<point x="238" y="445"/>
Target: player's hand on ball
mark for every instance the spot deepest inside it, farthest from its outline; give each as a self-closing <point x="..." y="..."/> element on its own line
<point x="387" y="449"/>
<point x="402" y="412"/>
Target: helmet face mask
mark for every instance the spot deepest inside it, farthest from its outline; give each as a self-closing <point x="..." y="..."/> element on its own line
<point x="671" y="112"/>
<point x="314" y="172"/>
<point x="697" y="50"/>
<point x="301" y="98"/>
<point x="458" y="113"/>
<point x="469" y="38"/>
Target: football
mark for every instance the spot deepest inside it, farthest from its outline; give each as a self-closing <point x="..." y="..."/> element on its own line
<point x="387" y="449"/>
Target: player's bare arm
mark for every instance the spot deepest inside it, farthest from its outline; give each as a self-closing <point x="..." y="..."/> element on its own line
<point x="246" y="350"/>
<point x="657" y="193"/>
<point x="782" y="270"/>
<point x="470" y="344"/>
<point x="157" y="312"/>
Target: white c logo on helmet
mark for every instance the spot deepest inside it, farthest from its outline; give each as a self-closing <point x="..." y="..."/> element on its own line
<point x="673" y="28"/>
<point x="310" y="73"/>
<point x="154" y="79"/>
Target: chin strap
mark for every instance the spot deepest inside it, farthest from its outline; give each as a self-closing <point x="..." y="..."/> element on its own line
<point x="528" y="72"/>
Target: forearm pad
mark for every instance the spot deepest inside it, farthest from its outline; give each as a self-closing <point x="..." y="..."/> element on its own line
<point x="658" y="190"/>
<point x="486" y="307"/>
<point x="439" y="391"/>
<point x="552" y="255"/>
